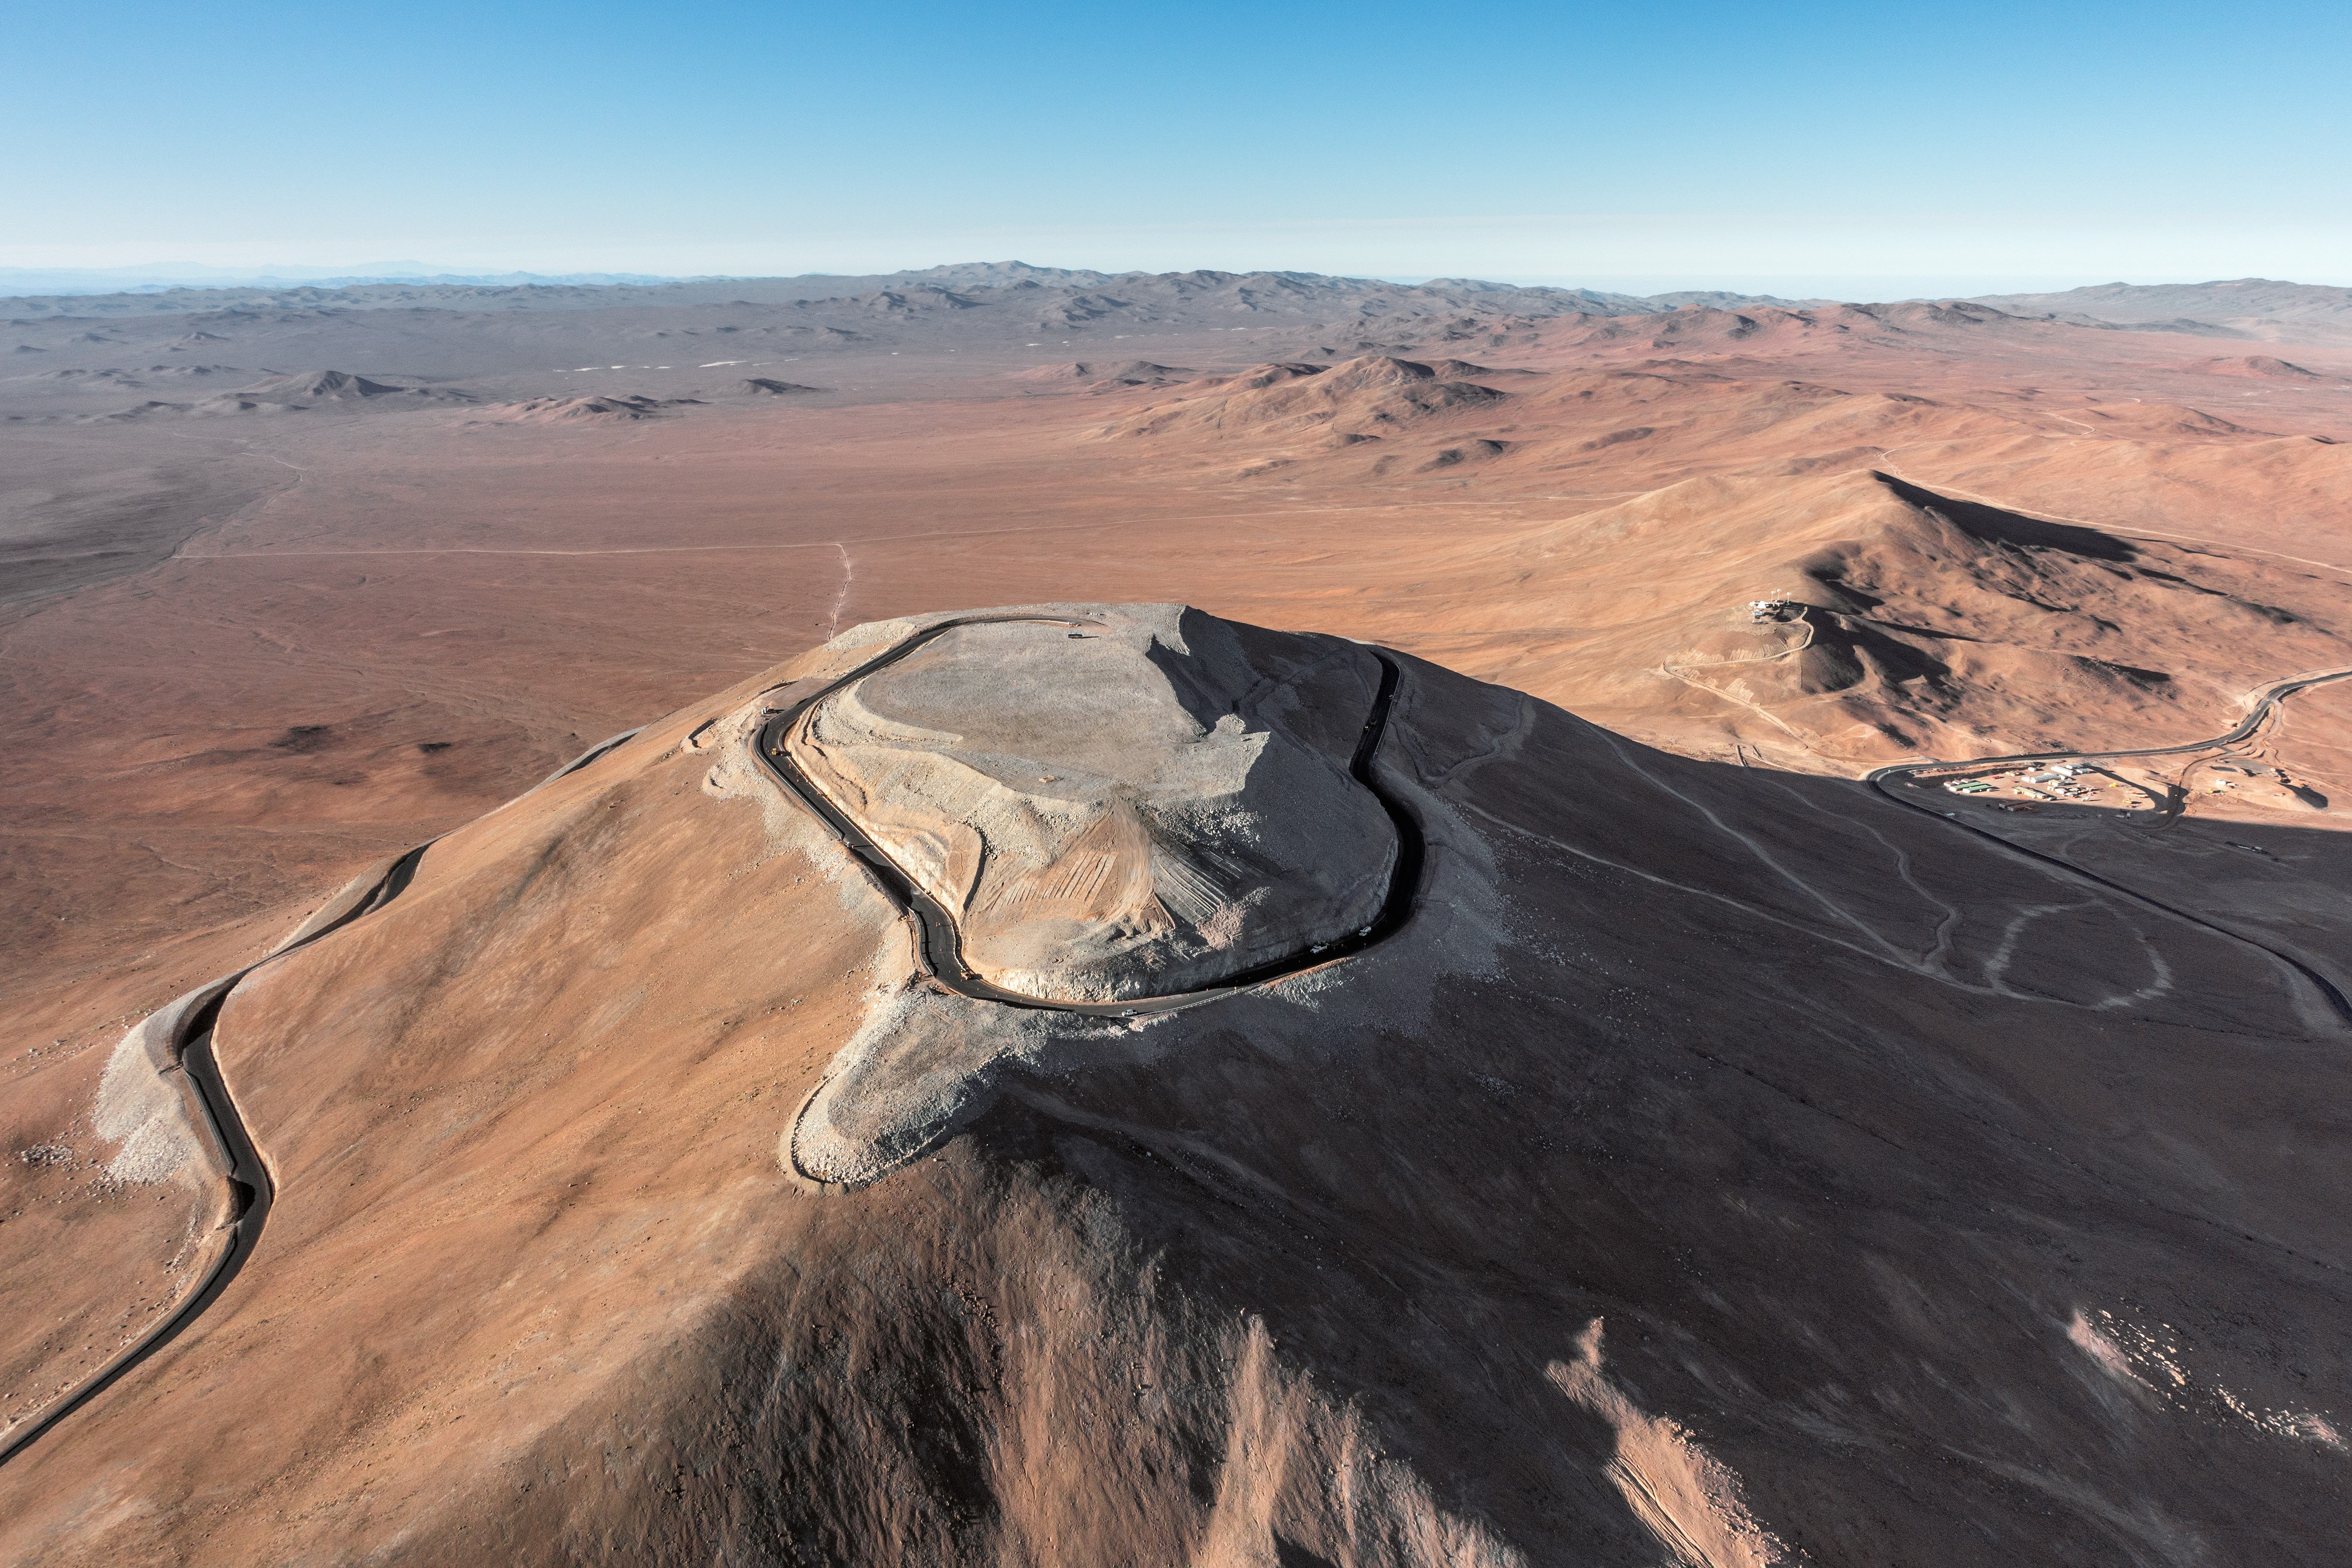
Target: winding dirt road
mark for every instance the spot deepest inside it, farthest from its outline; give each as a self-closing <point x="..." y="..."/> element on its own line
<point x="938" y="947"/>
<point x="2265" y="704"/>
<point x="1681" y="672"/>
<point x="189" y="1023"/>
<point x="184" y="1039"/>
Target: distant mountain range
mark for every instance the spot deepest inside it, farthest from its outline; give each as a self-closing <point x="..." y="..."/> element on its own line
<point x="161" y="277"/>
<point x="146" y="291"/>
<point x="2241" y="307"/>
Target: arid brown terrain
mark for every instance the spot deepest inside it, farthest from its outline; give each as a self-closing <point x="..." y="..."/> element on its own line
<point x="1731" y="1162"/>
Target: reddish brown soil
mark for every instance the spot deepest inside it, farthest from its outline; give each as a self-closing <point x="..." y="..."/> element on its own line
<point x="2011" y="536"/>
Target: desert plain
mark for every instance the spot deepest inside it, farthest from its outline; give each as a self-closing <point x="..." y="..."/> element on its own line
<point x="1737" y="1158"/>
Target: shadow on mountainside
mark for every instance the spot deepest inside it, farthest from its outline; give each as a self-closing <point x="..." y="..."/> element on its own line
<point x="1997" y="525"/>
<point x="1724" y="1156"/>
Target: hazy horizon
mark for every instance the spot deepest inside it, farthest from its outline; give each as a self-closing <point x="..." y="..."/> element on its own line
<point x="1982" y="142"/>
<point x="29" y="281"/>
<point x="1556" y="802"/>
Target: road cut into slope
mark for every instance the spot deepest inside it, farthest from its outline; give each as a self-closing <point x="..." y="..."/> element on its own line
<point x="178" y="1039"/>
<point x="1366" y="913"/>
<point x="1863" y="1139"/>
<point x="2265" y="702"/>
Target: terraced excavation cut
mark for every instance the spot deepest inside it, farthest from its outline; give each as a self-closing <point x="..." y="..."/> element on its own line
<point x="1113" y="809"/>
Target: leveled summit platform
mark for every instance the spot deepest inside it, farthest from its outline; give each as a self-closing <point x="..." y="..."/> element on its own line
<point x="1115" y="802"/>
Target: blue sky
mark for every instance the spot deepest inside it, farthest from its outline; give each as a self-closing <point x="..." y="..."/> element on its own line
<point x="1683" y="144"/>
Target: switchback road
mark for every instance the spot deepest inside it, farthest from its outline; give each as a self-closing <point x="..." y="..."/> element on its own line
<point x="2265" y="702"/>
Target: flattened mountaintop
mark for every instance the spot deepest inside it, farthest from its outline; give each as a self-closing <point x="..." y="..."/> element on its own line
<point x="1141" y="801"/>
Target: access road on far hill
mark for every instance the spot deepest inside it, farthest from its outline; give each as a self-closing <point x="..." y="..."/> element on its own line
<point x="2265" y="702"/>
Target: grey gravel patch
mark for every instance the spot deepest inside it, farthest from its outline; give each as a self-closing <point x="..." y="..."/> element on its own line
<point x="146" y="1116"/>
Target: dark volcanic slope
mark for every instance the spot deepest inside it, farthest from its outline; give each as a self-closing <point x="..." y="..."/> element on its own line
<point x="1722" y="1167"/>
